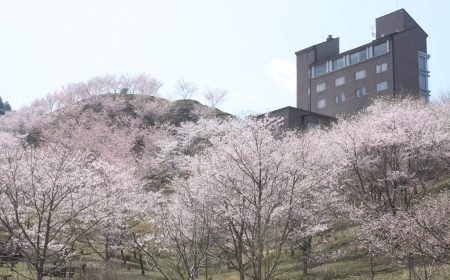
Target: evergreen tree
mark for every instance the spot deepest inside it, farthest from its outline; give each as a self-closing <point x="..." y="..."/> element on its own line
<point x="4" y="107"/>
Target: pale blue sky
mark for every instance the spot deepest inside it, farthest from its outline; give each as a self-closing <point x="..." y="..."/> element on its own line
<point x="245" y="46"/>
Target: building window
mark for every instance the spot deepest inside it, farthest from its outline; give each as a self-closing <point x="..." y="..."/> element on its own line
<point x="382" y="86"/>
<point x="360" y="92"/>
<point x="338" y="63"/>
<point x="381" y="68"/>
<point x="339" y="98"/>
<point x="320" y="69"/>
<point x="358" y="57"/>
<point x="311" y="125"/>
<point x="423" y="73"/>
<point x="380" y="49"/>
<point x="360" y="75"/>
<point x="339" y="81"/>
<point x="423" y="81"/>
<point x="321" y="104"/>
<point x="354" y="58"/>
<point x="423" y="62"/>
<point x="341" y="115"/>
<point x="320" y="87"/>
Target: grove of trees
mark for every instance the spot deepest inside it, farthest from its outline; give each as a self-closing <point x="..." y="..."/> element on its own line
<point x="110" y="174"/>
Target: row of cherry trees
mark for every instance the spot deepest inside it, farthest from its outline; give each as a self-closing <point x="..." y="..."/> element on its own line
<point x="192" y="198"/>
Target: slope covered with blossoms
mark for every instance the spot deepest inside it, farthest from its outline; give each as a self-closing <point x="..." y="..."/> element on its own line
<point x="113" y="174"/>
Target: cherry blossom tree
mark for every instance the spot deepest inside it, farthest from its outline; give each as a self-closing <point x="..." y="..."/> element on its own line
<point x="179" y="244"/>
<point x="422" y="231"/>
<point x="119" y="213"/>
<point x="26" y="120"/>
<point x="388" y="154"/>
<point x="185" y="89"/>
<point x="145" y="84"/>
<point x="111" y="84"/>
<point x="141" y="84"/>
<point x="106" y="127"/>
<point x="254" y="182"/>
<point x="204" y="112"/>
<point x="154" y="112"/>
<point x="168" y="160"/>
<point x="45" y="194"/>
<point x="181" y="230"/>
<point x="442" y="110"/>
<point x="215" y="97"/>
<point x="384" y="161"/>
<point x="432" y="222"/>
<point x="8" y="139"/>
<point x="315" y="202"/>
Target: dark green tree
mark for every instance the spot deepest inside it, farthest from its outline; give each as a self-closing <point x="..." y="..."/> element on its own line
<point x="4" y="106"/>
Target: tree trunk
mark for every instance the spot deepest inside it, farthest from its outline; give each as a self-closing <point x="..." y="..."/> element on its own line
<point x="372" y="271"/>
<point x="410" y="266"/>
<point x="259" y="238"/>
<point x="40" y="270"/>
<point x="39" y="275"/>
<point x="206" y="266"/>
<point x="306" y="248"/>
<point x="123" y="257"/>
<point x="107" y="254"/>
<point x="260" y="258"/>
<point x="141" y="263"/>
<point x="241" y="275"/>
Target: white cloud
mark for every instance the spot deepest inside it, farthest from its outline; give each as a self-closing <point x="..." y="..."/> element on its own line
<point x="283" y="73"/>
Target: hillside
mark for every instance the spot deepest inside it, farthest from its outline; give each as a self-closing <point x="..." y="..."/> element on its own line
<point x="215" y="199"/>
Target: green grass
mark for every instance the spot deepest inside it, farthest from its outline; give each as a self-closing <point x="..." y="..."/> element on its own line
<point x="351" y="264"/>
<point x="444" y="185"/>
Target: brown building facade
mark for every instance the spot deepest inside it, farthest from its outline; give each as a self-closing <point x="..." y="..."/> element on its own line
<point x="337" y="84"/>
<point x="294" y="118"/>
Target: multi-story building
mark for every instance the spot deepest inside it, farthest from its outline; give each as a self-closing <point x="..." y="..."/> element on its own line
<point x="395" y="62"/>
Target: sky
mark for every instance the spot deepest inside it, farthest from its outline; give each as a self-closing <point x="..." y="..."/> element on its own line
<point x="245" y="46"/>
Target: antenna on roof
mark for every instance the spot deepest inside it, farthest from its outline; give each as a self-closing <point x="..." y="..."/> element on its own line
<point x="374" y="35"/>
